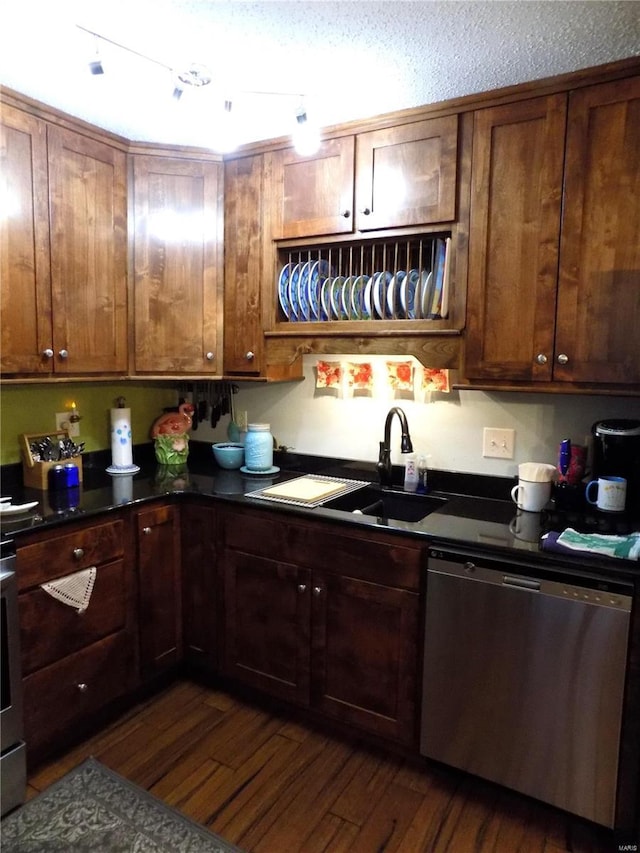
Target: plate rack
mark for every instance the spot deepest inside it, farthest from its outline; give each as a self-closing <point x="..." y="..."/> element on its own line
<point x="399" y="279"/>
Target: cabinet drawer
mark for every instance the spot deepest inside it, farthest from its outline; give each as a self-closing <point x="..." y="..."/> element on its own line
<point x="358" y="553"/>
<point x="49" y="629"/>
<point x="56" y="556"/>
<point x="70" y="691"/>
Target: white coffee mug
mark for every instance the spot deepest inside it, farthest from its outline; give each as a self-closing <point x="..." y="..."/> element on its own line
<point x="612" y="493"/>
<point x="531" y="496"/>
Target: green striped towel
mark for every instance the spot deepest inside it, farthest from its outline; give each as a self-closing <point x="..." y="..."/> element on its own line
<point x="626" y="547"/>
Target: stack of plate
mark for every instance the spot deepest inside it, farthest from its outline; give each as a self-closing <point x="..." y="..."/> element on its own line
<point x="300" y="288"/>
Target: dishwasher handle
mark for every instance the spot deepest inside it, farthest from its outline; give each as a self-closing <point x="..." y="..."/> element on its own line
<point x="521" y="583"/>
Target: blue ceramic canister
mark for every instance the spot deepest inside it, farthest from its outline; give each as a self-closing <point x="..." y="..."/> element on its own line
<point x="258" y="448"/>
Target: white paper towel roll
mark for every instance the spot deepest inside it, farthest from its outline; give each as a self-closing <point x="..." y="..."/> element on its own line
<point x="121" y="445"/>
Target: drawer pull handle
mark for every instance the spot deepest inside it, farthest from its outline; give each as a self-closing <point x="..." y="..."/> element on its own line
<point x="82" y="687"/>
<point x="210" y="356"/>
<point x="64" y="353"/>
<point x="302" y="587"/>
<point x="317" y="590"/>
<point x="78" y="553"/>
<point x="146" y="531"/>
<point x="48" y="353"/>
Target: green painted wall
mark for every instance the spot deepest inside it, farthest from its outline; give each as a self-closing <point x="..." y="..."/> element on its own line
<point x="32" y="408"/>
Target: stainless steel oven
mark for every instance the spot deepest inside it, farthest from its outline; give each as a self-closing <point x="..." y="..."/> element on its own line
<point x="13" y="767"/>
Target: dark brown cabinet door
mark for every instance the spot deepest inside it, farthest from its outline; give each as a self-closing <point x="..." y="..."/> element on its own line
<point x="267" y="606"/>
<point x="178" y="266"/>
<point x="24" y="246"/>
<point x="200" y="610"/>
<point x="597" y="336"/>
<point x="88" y="214"/>
<point x="364" y="654"/>
<point x="243" y="241"/>
<point x="516" y="183"/>
<point x="313" y="195"/>
<point x="406" y="175"/>
<point x="158" y="554"/>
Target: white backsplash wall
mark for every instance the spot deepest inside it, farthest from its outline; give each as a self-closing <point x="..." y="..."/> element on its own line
<point x="448" y="428"/>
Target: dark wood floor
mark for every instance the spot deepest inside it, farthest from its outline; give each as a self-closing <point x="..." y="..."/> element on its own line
<point x="271" y="785"/>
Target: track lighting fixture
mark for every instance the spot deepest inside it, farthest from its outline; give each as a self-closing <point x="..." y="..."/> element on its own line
<point x="306" y="136"/>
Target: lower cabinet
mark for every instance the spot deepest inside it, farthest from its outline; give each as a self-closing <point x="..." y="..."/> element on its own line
<point x="200" y="608"/>
<point x="159" y="589"/>
<point x="74" y="663"/>
<point x="323" y="627"/>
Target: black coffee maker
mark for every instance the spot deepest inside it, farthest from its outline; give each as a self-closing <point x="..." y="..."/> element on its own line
<point x="616" y="452"/>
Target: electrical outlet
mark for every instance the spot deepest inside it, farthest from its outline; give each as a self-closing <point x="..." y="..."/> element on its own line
<point x="63" y="422"/>
<point x="498" y="443"/>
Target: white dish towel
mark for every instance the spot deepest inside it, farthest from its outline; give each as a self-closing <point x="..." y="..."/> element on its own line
<point x="74" y="590"/>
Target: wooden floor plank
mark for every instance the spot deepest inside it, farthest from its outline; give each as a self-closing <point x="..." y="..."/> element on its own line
<point x="272" y="784"/>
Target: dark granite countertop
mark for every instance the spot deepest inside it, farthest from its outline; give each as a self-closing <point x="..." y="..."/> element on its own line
<point x="478" y="512"/>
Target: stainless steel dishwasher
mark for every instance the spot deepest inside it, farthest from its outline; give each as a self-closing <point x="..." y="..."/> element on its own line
<point x="524" y="677"/>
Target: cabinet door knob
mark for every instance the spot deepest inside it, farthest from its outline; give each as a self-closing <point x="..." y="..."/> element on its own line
<point x="541" y="358"/>
<point x="346" y="213"/>
<point x="563" y="359"/>
<point x="48" y="353"/>
<point x="366" y="211"/>
<point x="63" y="353"/>
<point x="78" y="553"/>
<point x="82" y="687"/>
<point x="250" y="356"/>
<point x="317" y="590"/>
<point x="302" y="587"/>
<point x="210" y="356"/>
<point x="146" y="531"/>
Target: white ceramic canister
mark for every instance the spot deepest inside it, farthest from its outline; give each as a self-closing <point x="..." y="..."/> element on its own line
<point x="258" y="448"/>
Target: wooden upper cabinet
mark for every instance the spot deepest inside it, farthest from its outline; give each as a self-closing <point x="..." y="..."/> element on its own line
<point x="554" y="247"/>
<point x="88" y="210"/>
<point x="392" y="178"/>
<point x="599" y="288"/>
<point x="406" y="175"/>
<point x="24" y="245"/>
<point x="243" y="264"/>
<point x="313" y="196"/>
<point x="178" y="266"/>
<point x="516" y="184"/>
<point x="64" y="262"/>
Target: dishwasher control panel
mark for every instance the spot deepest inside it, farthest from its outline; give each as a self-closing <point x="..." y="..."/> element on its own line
<point x="527" y="576"/>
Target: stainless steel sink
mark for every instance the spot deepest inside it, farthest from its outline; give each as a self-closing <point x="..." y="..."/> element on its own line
<point x="386" y="503"/>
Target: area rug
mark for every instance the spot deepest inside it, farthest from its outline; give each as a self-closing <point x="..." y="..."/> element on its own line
<point x="94" y="810"/>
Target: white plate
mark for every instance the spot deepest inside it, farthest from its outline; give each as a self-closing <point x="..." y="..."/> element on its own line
<point x="347" y="287"/>
<point x="393" y="295"/>
<point x="337" y="284"/>
<point x="408" y="294"/>
<point x="380" y="284"/>
<point x="325" y="298"/>
<point x="425" y="295"/>
<point x="17" y="509"/>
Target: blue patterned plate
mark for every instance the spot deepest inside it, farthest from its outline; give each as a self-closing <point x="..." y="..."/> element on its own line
<point x="293" y="292"/>
<point x="317" y="275"/>
<point x="283" y="289"/>
<point x="337" y="309"/>
<point x="303" y="292"/>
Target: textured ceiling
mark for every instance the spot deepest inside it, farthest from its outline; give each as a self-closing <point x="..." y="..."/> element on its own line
<point x="350" y="59"/>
